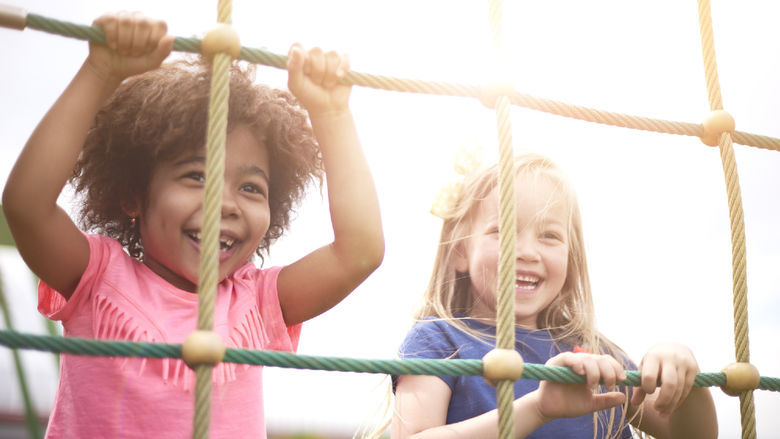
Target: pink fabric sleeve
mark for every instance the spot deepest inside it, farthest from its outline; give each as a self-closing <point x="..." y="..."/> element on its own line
<point x="283" y="337"/>
<point x="53" y="305"/>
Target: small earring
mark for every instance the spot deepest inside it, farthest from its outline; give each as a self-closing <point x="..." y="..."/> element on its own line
<point x="132" y="221"/>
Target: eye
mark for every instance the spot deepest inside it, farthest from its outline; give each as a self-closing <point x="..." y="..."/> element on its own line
<point x="252" y="189"/>
<point x="196" y="176"/>
<point x="552" y="236"/>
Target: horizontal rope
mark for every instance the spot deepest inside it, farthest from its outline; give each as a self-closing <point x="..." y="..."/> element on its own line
<point x="265" y="57"/>
<point x="451" y="367"/>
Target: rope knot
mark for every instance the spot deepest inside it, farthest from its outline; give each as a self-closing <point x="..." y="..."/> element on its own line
<point x="502" y="364"/>
<point x="715" y="124"/>
<point x="202" y="347"/>
<point x="222" y="38"/>
<point x="740" y="377"/>
<point x="489" y="94"/>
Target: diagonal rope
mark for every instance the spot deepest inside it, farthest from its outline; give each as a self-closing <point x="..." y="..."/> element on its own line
<point x="736" y="215"/>
<point x="267" y="58"/>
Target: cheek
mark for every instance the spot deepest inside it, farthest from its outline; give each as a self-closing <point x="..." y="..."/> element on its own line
<point x="562" y="263"/>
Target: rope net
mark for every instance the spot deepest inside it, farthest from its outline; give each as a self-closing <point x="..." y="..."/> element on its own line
<point x="500" y="98"/>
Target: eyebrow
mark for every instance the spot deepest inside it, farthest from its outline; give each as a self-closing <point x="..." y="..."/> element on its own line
<point x="254" y="170"/>
<point x="244" y="169"/>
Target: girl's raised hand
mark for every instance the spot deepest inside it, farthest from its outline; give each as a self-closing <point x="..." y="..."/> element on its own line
<point x="134" y="44"/>
<point x="674" y="366"/>
<point x="563" y="400"/>
<point x="313" y="77"/>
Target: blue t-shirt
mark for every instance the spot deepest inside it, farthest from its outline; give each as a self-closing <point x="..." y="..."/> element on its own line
<point x="472" y="395"/>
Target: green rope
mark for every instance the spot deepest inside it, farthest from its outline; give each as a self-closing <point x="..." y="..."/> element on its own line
<point x="270" y="59"/>
<point x="450" y="367"/>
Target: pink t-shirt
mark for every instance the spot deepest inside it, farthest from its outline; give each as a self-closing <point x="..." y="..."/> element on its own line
<point x="119" y="298"/>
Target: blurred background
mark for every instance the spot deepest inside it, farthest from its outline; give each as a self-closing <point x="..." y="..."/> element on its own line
<point x="654" y="206"/>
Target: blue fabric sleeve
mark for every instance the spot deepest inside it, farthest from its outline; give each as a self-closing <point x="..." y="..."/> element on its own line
<point x="429" y="339"/>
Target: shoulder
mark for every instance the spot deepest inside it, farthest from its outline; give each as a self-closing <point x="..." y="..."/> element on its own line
<point x="259" y="279"/>
<point x="433" y="327"/>
<point x="434" y="337"/>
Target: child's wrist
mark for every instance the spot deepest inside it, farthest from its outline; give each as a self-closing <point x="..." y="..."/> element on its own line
<point x="330" y="115"/>
<point x="101" y="74"/>
<point x="533" y="404"/>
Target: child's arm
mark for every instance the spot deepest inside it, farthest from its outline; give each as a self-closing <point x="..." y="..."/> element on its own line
<point x="421" y="402"/>
<point x="48" y="240"/>
<point x="669" y="409"/>
<point x="324" y="277"/>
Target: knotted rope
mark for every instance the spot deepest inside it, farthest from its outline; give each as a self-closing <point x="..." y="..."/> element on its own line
<point x="448" y="367"/>
<point x="212" y="213"/>
<point x="738" y="260"/>
<point x="267" y="58"/>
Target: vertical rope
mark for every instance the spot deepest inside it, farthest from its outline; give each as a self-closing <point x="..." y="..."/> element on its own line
<point x="738" y="260"/>
<point x="212" y="212"/>
<point x="505" y="330"/>
<point x="505" y="318"/>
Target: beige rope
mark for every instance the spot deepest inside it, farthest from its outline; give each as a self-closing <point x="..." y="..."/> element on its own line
<point x="505" y="318"/>
<point x="738" y="260"/>
<point x="505" y="330"/>
<point x="212" y="212"/>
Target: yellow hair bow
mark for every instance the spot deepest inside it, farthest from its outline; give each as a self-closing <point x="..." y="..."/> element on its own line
<point x="467" y="159"/>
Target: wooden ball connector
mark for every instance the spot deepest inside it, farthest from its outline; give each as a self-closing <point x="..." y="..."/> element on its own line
<point x="716" y="123"/>
<point x="202" y="347"/>
<point x="502" y="364"/>
<point x="490" y="93"/>
<point x="739" y="378"/>
<point x="221" y="39"/>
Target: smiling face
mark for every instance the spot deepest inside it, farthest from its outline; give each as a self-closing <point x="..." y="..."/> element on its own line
<point x="542" y="250"/>
<point x="170" y="223"/>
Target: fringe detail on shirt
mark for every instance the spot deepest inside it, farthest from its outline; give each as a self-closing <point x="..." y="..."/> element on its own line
<point x="111" y="323"/>
<point x="248" y="334"/>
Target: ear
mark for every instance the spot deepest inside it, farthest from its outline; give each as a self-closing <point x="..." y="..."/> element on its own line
<point x="460" y="260"/>
<point x="130" y="206"/>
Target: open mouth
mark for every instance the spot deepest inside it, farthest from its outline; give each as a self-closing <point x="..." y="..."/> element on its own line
<point x="525" y="282"/>
<point x="225" y="243"/>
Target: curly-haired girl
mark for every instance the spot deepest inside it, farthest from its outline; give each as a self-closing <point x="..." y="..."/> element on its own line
<point x="130" y="135"/>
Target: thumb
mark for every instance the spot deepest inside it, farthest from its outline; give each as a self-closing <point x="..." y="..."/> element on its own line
<point x="638" y="396"/>
<point x="295" y="61"/>
<point x="163" y="49"/>
<point x="607" y="400"/>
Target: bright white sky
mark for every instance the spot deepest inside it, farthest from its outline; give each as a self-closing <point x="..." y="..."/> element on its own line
<point x="654" y="206"/>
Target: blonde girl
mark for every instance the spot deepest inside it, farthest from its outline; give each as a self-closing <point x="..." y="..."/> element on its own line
<point x="554" y="319"/>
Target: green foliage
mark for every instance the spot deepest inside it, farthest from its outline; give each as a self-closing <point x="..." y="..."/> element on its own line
<point x="5" y="232"/>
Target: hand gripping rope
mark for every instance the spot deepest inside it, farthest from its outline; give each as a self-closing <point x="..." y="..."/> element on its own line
<point x="203" y="349"/>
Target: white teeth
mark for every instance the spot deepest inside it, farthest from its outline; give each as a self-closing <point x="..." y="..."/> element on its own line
<point x="526" y="282"/>
<point x="224" y="243"/>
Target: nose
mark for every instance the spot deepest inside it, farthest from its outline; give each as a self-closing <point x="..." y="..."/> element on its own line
<point x="229" y="204"/>
<point x="526" y="247"/>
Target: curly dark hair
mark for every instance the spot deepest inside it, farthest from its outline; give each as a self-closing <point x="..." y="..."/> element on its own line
<point x="163" y="113"/>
